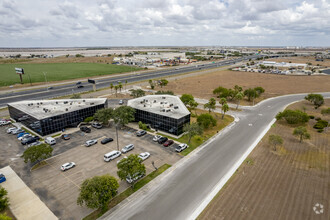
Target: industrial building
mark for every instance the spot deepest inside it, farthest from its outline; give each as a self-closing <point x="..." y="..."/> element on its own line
<point x="49" y="116"/>
<point x="162" y="112"/>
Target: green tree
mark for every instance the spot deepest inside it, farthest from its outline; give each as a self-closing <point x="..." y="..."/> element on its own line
<point x="103" y="115"/>
<point x="193" y="105"/>
<point x="4" y="201"/>
<point x="163" y="82"/>
<point x="186" y="98"/>
<point x="221" y="92"/>
<point x="37" y="153"/>
<point x="325" y="111"/>
<point x="206" y="120"/>
<point x="130" y="167"/>
<point x="210" y="105"/>
<point x="316" y="99"/>
<point x="302" y="133"/>
<point x="225" y="108"/>
<point x="4" y="217"/>
<point x="116" y="89"/>
<point x="111" y="87"/>
<point x="137" y="93"/>
<point x="96" y="192"/>
<point x="293" y="116"/>
<point x="275" y="140"/>
<point x="123" y="115"/>
<point x="223" y="101"/>
<point x="192" y="130"/>
<point x="125" y="84"/>
<point x="75" y="96"/>
<point x="151" y="83"/>
<point x="259" y="90"/>
<point x="250" y="94"/>
<point x="239" y="96"/>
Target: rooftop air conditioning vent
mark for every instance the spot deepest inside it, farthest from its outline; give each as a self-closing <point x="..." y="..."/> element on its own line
<point x="176" y="107"/>
<point x="168" y="110"/>
<point x="161" y="103"/>
<point x="56" y="103"/>
<point x="66" y="109"/>
<point x="163" y="97"/>
<point x="147" y="100"/>
<point x="155" y="101"/>
<point x="84" y="100"/>
<point x="66" y="102"/>
<point x="92" y="103"/>
<point x="171" y="105"/>
<point x="162" y="110"/>
<point x="144" y="105"/>
<point x="40" y="103"/>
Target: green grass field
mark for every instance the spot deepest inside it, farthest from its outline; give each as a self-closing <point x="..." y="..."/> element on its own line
<point x="57" y="71"/>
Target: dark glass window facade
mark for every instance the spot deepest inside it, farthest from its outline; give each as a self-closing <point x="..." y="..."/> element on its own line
<point x="55" y="123"/>
<point x="170" y="125"/>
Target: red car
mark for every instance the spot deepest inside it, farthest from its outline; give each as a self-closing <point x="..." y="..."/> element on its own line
<point x="168" y="143"/>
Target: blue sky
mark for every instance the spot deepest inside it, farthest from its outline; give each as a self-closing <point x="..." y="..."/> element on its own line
<point x="54" y="23"/>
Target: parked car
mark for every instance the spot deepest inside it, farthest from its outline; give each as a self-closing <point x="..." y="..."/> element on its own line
<point x="50" y="140"/>
<point x="121" y="159"/>
<point x="140" y="133"/>
<point x="144" y="155"/>
<point x="3" y="123"/>
<point x="97" y="125"/>
<point x="67" y="166"/>
<point x="90" y="142"/>
<point x="111" y="155"/>
<point x="21" y="134"/>
<point x="168" y="143"/>
<point x="106" y="140"/>
<point x="156" y="137"/>
<point x="9" y="130"/>
<point x="127" y="148"/>
<point x="135" y="177"/>
<point x="162" y="140"/>
<point x="85" y="129"/>
<point x="65" y="137"/>
<point x="35" y="144"/>
<point x="30" y="140"/>
<point x="121" y="102"/>
<point x="17" y="131"/>
<point x="25" y="136"/>
<point x="2" y="178"/>
<point x="181" y="147"/>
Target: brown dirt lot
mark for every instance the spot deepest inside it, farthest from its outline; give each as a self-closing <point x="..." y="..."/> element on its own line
<point x="286" y="184"/>
<point x="202" y="85"/>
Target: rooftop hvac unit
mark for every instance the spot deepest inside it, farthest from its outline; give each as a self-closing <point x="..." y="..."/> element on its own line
<point x="161" y="103"/>
<point x="163" y="97"/>
<point x="92" y="103"/>
<point x="56" y="103"/>
<point x="84" y="100"/>
<point x="144" y="105"/>
<point x="168" y="110"/>
<point x="176" y="107"/>
<point x="147" y="100"/>
<point x="162" y="110"/>
<point x="66" y="109"/>
<point x="66" y="102"/>
<point x="40" y="103"/>
<point x="171" y="105"/>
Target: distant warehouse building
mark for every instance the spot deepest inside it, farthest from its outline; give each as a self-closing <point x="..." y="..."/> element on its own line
<point x="50" y="116"/>
<point x="162" y="112"/>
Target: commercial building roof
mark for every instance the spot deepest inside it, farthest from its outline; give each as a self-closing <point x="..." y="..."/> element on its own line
<point x="41" y="109"/>
<point x="166" y="105"/>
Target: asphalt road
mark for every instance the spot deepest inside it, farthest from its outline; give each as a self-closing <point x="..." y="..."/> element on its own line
<point x="56" y="91"/>
<point x="179" y="193"/>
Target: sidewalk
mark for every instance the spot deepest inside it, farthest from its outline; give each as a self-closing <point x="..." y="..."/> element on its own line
<point x="24" y="204"/>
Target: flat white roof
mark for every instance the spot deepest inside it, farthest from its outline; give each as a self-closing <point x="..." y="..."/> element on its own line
<point x="41" y="109"/>
<point x="166" y="105"/>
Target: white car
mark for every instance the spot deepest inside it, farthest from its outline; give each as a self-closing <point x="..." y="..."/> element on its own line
<point x="121" y="159"/>
<point x="5" y="122"/>
<point x="10" y="130"/>
<point x="127" y="148"/>
<point x="136" y="176"/>
<point x="156" y="138"/>
<point x="144" y="155"/>
<point x="90" y="142"/>
<point x="35" y="144"/>
<point x="67" y="166"/>
<point x="24" y="136"/>
<point x="181" y="147"/>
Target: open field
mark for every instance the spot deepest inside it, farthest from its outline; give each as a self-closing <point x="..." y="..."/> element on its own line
<point x="202" y="85"/>
<point x="325" y="62"/>
<point x="61" y="59"/>
<point x="290" y="183"/>
<point x="57" y="71"/>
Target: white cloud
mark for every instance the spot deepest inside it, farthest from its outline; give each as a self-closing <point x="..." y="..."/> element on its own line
<point x="159" y="22"/>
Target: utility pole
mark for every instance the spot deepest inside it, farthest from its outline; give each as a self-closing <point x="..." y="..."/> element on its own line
<point x="117" y="137"/>
<point x="45" y="76"/>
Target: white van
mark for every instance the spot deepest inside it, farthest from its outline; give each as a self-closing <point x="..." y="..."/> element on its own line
<point x="111" y="155"/>
<point x="50" y="140"/>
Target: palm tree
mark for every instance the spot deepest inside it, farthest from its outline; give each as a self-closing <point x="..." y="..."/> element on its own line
<point x="111" y="87"/>
<point x="222" y="101"/>
<point x="239" y="96"/>
<point x="116" y="89"/>
<point x="225" y="108"/>
<point x="120" y="86"/>
<point x="125" y="83"/>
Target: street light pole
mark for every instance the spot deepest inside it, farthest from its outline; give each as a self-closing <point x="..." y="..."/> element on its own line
<point x="45" y="76"/>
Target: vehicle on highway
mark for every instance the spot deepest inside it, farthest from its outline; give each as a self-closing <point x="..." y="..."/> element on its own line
<point x="78" y="83"/>
<point x="80" y="86"/>
<point x="106" y="140"/>
<point x="65" y="137"/>
<point x="49" y="88"/>
<point x="144" y="155"/>
<point x="135" y="177"/>
<point x="156" y="138"/>
<point x="29" y="140"/>
<point x="181" y="147"/>
<point x="35" y="144"/>
<point x="2" y="178"/>
<point x="85" y="129"/>
<point x="90" y="142"/>
<point x="140" y="133"/>
<point x="67" y="166"/>
<point x="17" y="131"/>
<point x="97" y="125"/>
<point x="121" y="102"/>
<point x="127" y="148"/>
<point x="168" y="143"/>
<point x="162" y="140"/>
<point x="25" y="136"/>
<point x="111" y="155"/>
<point x="50" y="141"/>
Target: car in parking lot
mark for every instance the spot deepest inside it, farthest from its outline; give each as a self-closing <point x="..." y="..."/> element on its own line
<point x="135" y="177"/>
<point x="65" y="137"/>
<point x="181" y="147"/>
<point x="144" y="155"/>
<point x="156" y="137"/>
<point x="162" y="140"/>
<point x="111" y="155"/>
<point x="168" y="143"/>
<point x="121" y="102"/>
<point x="5" y="122"/>
<point x="30" y="140"/>
<point x="127" y="148"/>
<point x="118" y="161"/>
<point x="85" y="129"/>
<point x="106" y="140"/>
<point x="67" y="166"/>
<point x="140" y="133"/>
<point x="17" y="131"/>
<point x="10" y="130"/>
<point x="25" y="136"/>
<point x="97" y="125"/>
<point x="90" y="142"/>
<point x="21" y="134"/>
<point x="35" y="144"/>
<point x="2" y="178"/>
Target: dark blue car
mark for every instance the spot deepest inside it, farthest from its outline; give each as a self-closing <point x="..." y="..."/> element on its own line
<point x="2" y="178"/>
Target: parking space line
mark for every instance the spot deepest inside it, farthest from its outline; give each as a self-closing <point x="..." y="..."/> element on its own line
<point x="66" y="177"/>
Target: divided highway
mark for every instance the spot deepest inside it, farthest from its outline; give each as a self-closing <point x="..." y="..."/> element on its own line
<point x="43" y="93"/>
<point x="179" y="194"/>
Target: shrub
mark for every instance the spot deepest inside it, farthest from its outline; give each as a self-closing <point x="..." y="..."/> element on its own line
<point x="311" y="116"/>
<point x="4" y="217"/>
<point x="142" y="126"/>
<point x="325" y="111"/>
<point x="316" y="99"/>
<point x="293" y="116"/>
<point x="320" y="124"/>
<point x="4" y="201"/>
<point x="318" y="119"/>
<point x="206" y="120"/>
<point x="89" y="119"/>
